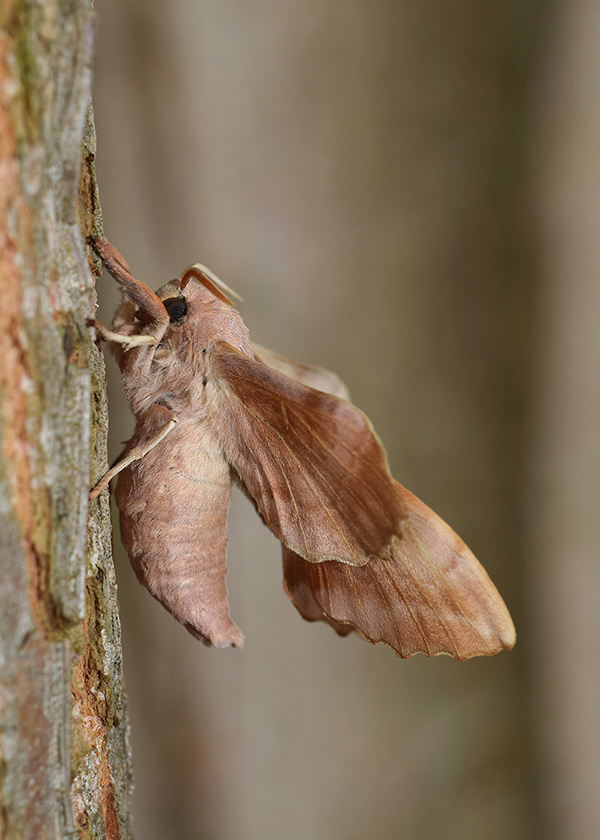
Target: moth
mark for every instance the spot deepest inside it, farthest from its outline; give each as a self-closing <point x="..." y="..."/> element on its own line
<point x="360" y="552"/>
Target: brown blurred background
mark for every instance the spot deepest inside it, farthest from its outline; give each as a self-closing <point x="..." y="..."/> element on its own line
<point x="409" y="194"/>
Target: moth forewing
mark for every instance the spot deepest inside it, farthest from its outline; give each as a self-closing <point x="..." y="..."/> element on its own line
<point x="311" y="461"/>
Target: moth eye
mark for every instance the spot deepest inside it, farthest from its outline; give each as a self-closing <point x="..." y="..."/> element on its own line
<point x="176" y="307"/>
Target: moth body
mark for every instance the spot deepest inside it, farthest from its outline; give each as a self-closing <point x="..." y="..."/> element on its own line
<point x="360" y="552"/>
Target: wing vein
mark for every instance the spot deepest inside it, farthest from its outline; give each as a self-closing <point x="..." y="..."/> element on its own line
<point x="407" y="605"/>
<point x="298" y="461"/>
<point x="346" y="468"/>
<point x="434" y="567"/>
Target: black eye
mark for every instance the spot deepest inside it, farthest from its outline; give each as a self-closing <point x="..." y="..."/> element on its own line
<point x="176" y="307"/>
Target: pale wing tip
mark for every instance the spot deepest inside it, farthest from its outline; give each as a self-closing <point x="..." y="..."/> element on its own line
<point x="494" y="641"/>
<point x="508" y="637"/>
<point x="500" y="633"/>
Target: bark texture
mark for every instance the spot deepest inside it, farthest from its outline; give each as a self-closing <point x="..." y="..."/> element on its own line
<point x="64" y="757"/>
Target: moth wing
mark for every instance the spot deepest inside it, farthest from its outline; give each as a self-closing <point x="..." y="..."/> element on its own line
<point x="296" y="582"/>
<point x="427" y="594"/>
<point x="311" y="461"/>
<point x="311" y="375"/>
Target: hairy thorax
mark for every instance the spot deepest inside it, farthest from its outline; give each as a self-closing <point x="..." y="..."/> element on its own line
<point x="176" y="372"/>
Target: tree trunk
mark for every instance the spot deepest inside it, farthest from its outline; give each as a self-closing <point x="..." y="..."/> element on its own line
<point x="65" y="762"/>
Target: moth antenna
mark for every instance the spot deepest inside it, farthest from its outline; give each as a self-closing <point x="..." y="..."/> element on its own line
<point x="210" y="280"/>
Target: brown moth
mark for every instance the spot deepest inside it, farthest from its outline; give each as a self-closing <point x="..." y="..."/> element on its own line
<point x="359" y="551"/>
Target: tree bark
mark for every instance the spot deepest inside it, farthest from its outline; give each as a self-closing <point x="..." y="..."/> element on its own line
<point x="65" y="763"/>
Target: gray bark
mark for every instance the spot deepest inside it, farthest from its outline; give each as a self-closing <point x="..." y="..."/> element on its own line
<point x="65" y="762"/>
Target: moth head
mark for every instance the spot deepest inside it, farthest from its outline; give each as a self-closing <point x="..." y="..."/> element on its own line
<point x="190" y="288"/>
<point x="201" y="311"/>
<point x="176" y="308"/>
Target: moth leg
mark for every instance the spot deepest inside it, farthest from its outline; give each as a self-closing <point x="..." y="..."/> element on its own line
<point x="134" y="454"/>
<point x="128" y="341"/>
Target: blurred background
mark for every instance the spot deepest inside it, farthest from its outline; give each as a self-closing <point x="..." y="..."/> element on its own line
<point x="409" y="194"/>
